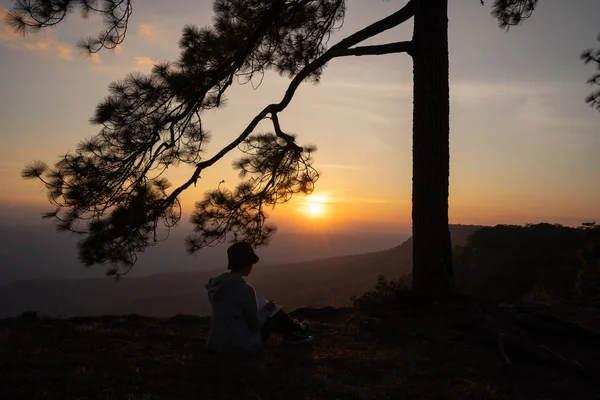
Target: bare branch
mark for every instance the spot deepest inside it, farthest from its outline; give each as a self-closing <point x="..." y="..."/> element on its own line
<point x="112" y="185"/>
<point x="376" y="50"/>
<point x="337" y="50"/>
<point x="289" y="139"/>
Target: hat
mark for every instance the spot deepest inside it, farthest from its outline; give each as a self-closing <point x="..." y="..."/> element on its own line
<point x="241" y="254"/>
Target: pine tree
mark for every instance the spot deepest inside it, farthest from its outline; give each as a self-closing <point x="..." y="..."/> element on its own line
<point x="111" y="189"/>
<point x="592" y="56"/>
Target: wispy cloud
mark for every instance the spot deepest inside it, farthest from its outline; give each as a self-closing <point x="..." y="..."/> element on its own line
<point x="541" y="104"/>
<point x="112" y="67"/>
<point x="150" y="32"/>
<point x="96" y="59"/>
<point x="330" y="198"/>
<point x="144" y="60"/>
<point x="372" y="117"/>
<point x="358" y="200"/>
<point x="341" y="166"/>
<point x="376" y="87"/>
<point x="102" y="67"/>
<point x="45" y="44"/>
<point x="143" y="63"/>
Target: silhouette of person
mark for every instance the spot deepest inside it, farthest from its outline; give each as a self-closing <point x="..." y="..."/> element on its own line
<point x="238" y="325"/>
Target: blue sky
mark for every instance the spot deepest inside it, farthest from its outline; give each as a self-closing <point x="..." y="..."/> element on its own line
<point x="524" y="145"/>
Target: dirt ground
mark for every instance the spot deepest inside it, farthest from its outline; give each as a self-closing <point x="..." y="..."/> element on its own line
<point x="397" y="354"/>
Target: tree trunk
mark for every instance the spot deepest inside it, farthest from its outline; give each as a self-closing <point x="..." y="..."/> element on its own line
<point x="432" y="249"/>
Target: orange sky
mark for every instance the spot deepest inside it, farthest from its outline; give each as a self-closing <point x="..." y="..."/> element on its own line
<point x="524" y="146"/>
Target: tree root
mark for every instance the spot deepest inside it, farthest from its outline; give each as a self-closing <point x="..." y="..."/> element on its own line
<point x="502" y="349"/>
<point x="519" y="339"/>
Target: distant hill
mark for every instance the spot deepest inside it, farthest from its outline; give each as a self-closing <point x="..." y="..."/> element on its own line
<point x="330" y="281"/>
<point x="38" y="252"/>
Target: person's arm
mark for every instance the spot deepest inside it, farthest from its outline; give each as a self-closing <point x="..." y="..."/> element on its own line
<point x="250" y="306"/>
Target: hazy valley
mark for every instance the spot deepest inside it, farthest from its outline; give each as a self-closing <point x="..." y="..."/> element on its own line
<point x="327" y="281"/>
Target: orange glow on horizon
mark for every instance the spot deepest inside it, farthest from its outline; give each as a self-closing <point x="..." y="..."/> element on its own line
<point x="341" y="210"/>
<point x="315" y="206"/>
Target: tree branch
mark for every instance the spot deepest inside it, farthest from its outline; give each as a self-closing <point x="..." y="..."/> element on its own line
<point x="391" y="21"/>
<point x="338" y="50"/>
<point x="289" y="139"/>
<point x="377" y="50"/>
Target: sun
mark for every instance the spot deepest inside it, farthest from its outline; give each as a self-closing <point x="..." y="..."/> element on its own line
<point x="315" y="209"/>
<point x="315" y="206"/>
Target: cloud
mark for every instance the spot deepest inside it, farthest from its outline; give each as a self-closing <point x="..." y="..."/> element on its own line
<point x="45" y="44"/>
<point x="326" y="198"/>
<point x="144" y="60"/>
<point x="95" y="57"/>
<point x="402" y="88"/>
<point x="341" y="166"/>
<point x="543" y="106"/>
<point x="100" y="66"/>
<point x="360" y="113"/>
<point x="141" y="63"/>
<point x="149" y="32"/>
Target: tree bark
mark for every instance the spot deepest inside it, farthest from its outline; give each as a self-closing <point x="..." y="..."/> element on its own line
<point x="432" y="249"/>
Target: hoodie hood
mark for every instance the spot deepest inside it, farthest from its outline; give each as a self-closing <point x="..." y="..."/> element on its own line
<point x="215" y="285"/>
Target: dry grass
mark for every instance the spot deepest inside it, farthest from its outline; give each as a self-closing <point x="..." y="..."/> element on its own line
<point x="356" y="355"/>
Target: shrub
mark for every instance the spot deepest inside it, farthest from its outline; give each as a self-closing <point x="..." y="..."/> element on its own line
<point x="384" y="294"/>
<point x="587" y="286"/>
<point x="539" y="294"/>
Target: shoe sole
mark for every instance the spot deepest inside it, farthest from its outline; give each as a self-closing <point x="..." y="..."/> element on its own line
<point x="304" y="341"/>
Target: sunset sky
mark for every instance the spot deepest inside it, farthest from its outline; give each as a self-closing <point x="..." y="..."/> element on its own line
<point x="524" y="145"/>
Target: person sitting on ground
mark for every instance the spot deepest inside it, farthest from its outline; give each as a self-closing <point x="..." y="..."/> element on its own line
<point x="238" y="325"/>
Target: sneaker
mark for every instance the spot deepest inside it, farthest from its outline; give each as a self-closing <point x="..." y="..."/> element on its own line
<point x="304" y="325"/>
<point x="298" y="338"/>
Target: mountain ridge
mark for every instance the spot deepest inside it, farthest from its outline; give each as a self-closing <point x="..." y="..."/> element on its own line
<point x="317" y="283"/>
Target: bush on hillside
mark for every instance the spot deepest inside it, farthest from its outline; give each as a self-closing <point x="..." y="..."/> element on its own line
<point x="588" y="278"/>
<point x="384" y="294"/>
<point x="588" y="284"/>
<point x="539" y="295"/>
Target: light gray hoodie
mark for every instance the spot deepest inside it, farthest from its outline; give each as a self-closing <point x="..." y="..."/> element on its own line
<point x="236" y="321"/>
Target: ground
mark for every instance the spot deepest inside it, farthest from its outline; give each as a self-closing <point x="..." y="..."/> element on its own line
<point x="412" y="353"/>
